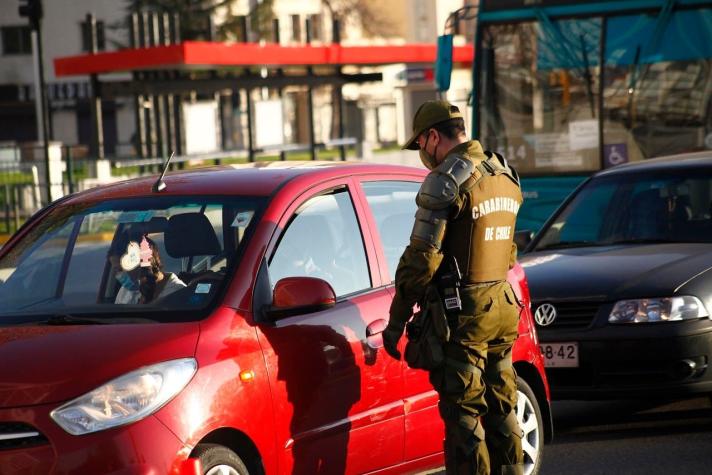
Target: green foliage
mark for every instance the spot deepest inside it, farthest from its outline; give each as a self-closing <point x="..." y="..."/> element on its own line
<point x="261" y="19"/>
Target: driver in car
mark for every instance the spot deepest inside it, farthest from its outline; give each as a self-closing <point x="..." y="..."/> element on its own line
<point x="139" y="270"/>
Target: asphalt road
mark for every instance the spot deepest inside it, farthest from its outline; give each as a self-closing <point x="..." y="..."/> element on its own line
<point x="630" y="438"/>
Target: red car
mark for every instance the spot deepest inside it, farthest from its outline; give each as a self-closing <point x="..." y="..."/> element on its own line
<point x="229" y="323"/>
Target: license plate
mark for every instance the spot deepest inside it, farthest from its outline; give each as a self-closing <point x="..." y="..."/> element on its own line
<point x="560" y="355"/>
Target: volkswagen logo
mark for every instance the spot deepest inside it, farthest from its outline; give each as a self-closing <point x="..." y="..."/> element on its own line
<point x="545" y="314"/>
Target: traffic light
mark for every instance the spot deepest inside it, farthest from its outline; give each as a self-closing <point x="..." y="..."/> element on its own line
<point x="32" y="9"/>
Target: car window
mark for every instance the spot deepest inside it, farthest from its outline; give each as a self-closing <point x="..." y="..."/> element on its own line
<point x="674" y="207"/>
<point x="323" y="240"/>
<point x="41" y="269"/>
<point x="583" y="220"/>
<point x="124" y="256"/>
<point x="393" y="206"/>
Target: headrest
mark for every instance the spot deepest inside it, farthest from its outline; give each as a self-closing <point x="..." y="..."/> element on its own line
<point x="157" y="224"/>
<point x="392" y="229"/>
<point x="311" y="231"/>
<point x="190" y="234"/>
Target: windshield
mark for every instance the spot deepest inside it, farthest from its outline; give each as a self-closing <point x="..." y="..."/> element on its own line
<point x="628" y="209"/>
<point x="160" y="257"/>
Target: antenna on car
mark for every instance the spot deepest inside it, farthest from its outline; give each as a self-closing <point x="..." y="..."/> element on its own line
<point x="160" y="185"/>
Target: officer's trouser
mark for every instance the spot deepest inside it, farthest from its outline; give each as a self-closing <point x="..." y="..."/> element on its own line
<point x="477" y="385"/>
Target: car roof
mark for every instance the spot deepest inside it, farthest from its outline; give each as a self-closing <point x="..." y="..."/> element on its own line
<point x="254" y="179"/>
<point x="681" y="161"/>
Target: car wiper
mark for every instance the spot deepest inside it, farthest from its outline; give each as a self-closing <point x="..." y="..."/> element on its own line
<point x="640" y="241"/>
<point x="565" y="244"/>
<point x="64" y="319"/>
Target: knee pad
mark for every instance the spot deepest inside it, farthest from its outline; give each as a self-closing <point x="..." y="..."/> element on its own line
<point x="463" y="429"/>
<point x="504" y="425"/>
<point x="512" y="470"/>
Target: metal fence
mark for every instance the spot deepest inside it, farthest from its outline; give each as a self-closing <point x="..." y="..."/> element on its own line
<point x="23" y="172"/>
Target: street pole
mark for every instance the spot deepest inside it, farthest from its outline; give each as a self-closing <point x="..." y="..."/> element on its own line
<point x="38" y="89"/>
<point x="32" y="10"/>
<point x="43" y="104"/>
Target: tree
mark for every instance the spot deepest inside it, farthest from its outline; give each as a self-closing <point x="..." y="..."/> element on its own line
<point x="196" y="16"/>
<point x="364" y="13"/>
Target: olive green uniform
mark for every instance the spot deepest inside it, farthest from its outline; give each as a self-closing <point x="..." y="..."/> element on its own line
<point x="467" y="209"/>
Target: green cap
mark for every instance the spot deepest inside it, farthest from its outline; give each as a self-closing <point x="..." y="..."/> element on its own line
<point x="429" y="114"/>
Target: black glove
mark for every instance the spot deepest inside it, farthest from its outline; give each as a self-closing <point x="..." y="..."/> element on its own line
<point x="391" y="335"/>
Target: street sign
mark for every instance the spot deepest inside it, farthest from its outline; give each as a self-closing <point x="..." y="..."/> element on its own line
<point x="615" y="154"/>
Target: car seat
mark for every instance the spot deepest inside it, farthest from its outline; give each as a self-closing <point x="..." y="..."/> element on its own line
<point x="647" y="216"/>
<point x="312" y="248"/>
<point x="190" y="235"/>
<point x="395" y="236"/>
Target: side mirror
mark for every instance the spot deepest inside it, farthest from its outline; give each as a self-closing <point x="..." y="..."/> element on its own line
<point x="522" y="239"/>
<point x="300" y="295"/>
<point x="443" y="63"/>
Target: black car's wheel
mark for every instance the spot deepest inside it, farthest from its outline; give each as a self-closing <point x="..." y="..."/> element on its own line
<point x="532" y="425"/>
<point x="218" y="460"/>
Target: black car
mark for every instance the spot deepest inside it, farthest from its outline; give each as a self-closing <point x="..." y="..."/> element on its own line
<point x="621" y="282"/>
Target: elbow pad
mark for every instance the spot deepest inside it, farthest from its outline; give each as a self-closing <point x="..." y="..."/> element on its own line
<point x="436" y="195"/>
<point x="429" y="227"/>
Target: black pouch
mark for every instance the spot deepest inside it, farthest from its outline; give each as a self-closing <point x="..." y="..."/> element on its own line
<point x="424" y="349"/>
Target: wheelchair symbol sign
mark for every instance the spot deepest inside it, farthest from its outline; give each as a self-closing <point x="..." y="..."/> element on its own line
<point x="615" y="154"/>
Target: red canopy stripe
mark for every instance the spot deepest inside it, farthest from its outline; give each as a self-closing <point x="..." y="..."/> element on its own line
<point x="200" y="54"/>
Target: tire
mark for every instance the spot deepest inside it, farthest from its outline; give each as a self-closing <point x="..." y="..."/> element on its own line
<point x="531" y="423"/>
<point x="218" y="460"/>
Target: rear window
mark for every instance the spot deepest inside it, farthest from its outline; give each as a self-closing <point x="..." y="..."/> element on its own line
<point x="163" y="256"/>
<point x="393" y="206"/>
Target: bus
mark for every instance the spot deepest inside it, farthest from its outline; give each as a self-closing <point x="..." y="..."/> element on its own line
<point x="567" y="88"/>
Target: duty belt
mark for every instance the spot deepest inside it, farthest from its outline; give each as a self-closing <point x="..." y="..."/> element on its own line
<point x="477" y="285"/>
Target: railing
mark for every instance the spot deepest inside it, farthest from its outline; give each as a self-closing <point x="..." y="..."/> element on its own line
<point x="23" y="175"/>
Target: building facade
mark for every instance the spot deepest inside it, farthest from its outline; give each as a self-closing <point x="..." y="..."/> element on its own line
<point x="376" y="113"/>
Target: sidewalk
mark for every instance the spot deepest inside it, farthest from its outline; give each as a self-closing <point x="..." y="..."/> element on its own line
<point x="396" y="157"/>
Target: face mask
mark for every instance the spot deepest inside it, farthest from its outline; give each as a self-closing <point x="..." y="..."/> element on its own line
<point x="427" y="159"/>
<point x="126" y="281"/>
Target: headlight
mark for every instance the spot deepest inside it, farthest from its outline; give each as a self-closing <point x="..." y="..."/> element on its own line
<point x="657" y="310"/>
<point x="126" y="399"/>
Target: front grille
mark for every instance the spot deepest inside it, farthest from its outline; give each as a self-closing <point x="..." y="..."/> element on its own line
<point x="565" y="378"/>
<point x="15" y="435"/>
<point x="571" y="315"/>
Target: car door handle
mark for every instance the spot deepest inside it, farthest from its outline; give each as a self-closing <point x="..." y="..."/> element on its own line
<point x="376" y="327"/>
<point x="374" y="331"/>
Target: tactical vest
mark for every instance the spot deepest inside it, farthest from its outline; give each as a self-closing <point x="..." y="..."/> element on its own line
<point x="480" y="236"/>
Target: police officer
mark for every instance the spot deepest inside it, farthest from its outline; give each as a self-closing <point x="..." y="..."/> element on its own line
<point x="467" y="209"/>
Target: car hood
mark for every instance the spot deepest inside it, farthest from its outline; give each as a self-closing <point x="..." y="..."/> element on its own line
<point x="49" y="364"/>
<point x="614" y="272"/>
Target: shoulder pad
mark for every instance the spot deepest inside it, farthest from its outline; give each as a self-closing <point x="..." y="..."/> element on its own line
<point x="456" y="166"/>
<point x="438" y="191"/>
<point x="442" y="185"/>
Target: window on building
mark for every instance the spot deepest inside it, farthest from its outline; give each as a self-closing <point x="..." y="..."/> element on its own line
<point x="317" y="32"/>
<point x="86" y="36"/>
<point x="241" y="30"/>
<point x="16" y="40"/>
<point x="296" y="28"/>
